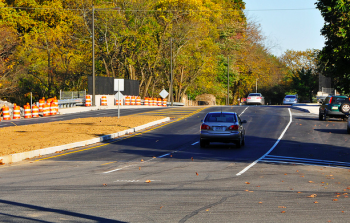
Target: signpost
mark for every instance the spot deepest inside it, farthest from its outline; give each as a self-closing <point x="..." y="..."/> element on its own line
<point x="118" y="86"/>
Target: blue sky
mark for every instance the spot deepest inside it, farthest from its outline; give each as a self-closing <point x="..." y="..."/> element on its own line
<point x="288" y="29"/>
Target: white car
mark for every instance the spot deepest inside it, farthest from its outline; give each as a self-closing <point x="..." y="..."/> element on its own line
<point x="290" y="99"/>
<point x="255" y="99"/>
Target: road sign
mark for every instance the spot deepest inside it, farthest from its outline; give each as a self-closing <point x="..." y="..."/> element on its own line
<point x="118" y="84"/>
<point x="118" y="95"/>
<point x="164" y="93"/>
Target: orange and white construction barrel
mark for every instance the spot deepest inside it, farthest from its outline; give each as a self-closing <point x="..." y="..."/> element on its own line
<point x="46" y="109"/>
<point x="138" y="100"/>
<point x="133" y="100"/>
<point x="165" y="102"/>
<point x="35" y="111"/>
<point x="88" y="102"/>
<point x="104" y="101"/>
<point x="6" y="113"/>
<point x="127" y="100"/>
<point x="16" y="112"/>
<point x="145" y="101"/>
<point x="27" y="111"/>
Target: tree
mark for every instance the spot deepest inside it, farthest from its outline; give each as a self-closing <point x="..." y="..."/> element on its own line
<point x="334" y="58"/>
<point x="305" y="83"/>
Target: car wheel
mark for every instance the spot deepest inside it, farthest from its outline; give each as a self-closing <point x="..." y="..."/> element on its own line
<point x="243" y="141"/>
<point x="202" y="143"/>
<point x="325" y="117"/>
<point x="320" y="117"/>
<point x="345" y="108"/>
<point x="348" y="129"/>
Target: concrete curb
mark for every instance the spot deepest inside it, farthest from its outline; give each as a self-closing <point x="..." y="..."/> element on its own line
<point x="12" y="158"/>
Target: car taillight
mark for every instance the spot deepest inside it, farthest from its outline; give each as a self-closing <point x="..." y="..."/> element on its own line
<point x="233" y="127"/>
<point x="330" y="100"/>
<point x="258" y="97"/>
<point x="249" y="98"/>
<point x="204" y="126"/>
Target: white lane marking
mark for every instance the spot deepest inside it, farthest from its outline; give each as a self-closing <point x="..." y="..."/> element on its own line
<point x="194" y="143"/>
<point x="286" y="159"/>
<point x="243" y="111"/>
<point x="278" y="140"/>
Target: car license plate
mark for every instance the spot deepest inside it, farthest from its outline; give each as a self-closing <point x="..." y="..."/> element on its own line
<point x="219" y="128"/>
<point x="335" y="108"/>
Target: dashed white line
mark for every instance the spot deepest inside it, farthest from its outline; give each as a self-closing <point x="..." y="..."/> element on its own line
<point x="276" y="143"/>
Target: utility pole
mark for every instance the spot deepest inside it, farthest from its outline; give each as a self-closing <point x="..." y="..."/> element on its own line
<point x="171" y="72"/>
<point x="228" y="81"/>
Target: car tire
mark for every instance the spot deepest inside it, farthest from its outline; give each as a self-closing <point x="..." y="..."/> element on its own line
<point x="243" y="141"/>
<point x="320" y="117"/>
<point x="203" y="143"/>
<point x="325" y="116"/>
<point x="345" y="107"/>
<point x="348" y="129"/>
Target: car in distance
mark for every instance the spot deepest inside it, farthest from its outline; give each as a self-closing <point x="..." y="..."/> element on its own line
<point x="255" y="99"/>
<point x="222" y="127"/>
<point x="330" y="107"/>
<point x="290" y="99"/>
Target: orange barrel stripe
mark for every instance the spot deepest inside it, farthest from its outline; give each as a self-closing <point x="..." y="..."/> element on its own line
<point x="16" y="112"/>
<point x="165" y="102"/>
<point x="138" y="100"/>
<point x="88" y="100"/>
<point x="27" y="111"/>
<point x="46" y="110"/>
<point x="35" y="111"/>
<point x="104" y="101"/>
<point x="6" y="113"/>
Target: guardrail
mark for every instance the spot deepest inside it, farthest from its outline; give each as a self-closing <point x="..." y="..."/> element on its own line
<point x="67" y="103"/>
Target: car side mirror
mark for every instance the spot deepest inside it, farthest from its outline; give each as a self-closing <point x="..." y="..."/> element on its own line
<point x="244" y="121"/>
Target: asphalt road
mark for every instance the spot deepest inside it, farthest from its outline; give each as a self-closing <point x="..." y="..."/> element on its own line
<point x="293" y="168"/>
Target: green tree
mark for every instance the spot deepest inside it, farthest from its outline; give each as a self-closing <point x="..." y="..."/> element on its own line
<point x="334" y="58"/>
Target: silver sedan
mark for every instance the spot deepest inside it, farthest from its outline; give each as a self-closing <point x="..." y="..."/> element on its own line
<point x="222" y="127"/>
<point x="255" y="98"/>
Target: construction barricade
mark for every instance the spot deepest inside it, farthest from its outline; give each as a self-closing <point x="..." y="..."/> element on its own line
<point x="120" y="102"/>
<point x="16" y="112"/>
<point x="88" y="100"/>
<point x="27" y="111"/>
<point x="159" y="102"/>
<point x="145" y="102"/>
<point x="133" y="100"/>
<point x="46" y="109"/>
<point x="35" y="111"/>
<point x="165" y="102"/>
<point x="138" y="100"/>
<point x="53" y="108"/>
<point x="41" y="104"/>
<point x="6" y="113"/>
<point x="104" y="101"/>
<point x="127" y="100"/>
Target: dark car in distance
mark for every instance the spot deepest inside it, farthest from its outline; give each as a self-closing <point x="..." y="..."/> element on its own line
<point x="330" y="107"/>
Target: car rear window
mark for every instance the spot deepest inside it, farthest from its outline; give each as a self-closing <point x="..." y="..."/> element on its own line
<point x="290" y="96"/>
<point x="254" y="95"/>
<point x="339" y="101"/>
<point x="221" y="117"/>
